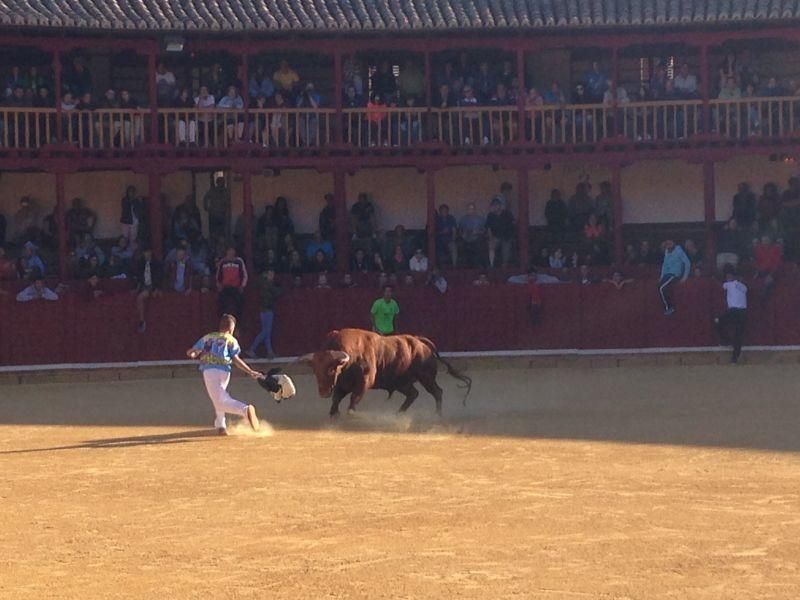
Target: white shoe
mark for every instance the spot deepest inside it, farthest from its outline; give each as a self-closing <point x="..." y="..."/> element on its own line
<point x="252" y="418"/>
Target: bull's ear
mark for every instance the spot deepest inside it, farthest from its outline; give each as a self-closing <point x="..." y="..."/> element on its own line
<point x="306" y="358"/>
<point x="341" y="357"/>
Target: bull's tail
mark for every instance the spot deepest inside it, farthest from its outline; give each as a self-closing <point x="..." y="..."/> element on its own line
<point x="452" y="371"/>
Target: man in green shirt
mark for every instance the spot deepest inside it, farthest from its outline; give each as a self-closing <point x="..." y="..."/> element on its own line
<point x="383" y="312"/>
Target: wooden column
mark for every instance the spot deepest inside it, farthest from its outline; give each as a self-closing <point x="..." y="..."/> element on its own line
<point x="58" y="91"/>
<point x="616" y="190"/>
<point x="153" y="96"/>
<point x="338" y="93"/>
<point x="430" y="193"/>
<point x="247" y="218"/>
<point x="155" y="214"/>
<point x="342" y="233"/>
<point x="521" y="93"/>
<point x="61" y="226"/>
<point x="710" y="212"/>
<point x="523" y="218"/>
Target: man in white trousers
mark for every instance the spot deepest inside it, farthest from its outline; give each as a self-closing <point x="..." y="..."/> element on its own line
<point x="217" y="351"/>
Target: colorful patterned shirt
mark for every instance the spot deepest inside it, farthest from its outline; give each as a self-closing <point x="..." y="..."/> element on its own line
<point x="217" y="351"/>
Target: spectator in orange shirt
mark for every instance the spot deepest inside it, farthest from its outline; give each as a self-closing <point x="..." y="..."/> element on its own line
<point x="768" y="256"/>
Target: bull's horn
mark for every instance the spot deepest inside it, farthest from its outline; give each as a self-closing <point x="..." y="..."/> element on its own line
<point x="344" y="357"/>
<point x="306" y="358"/>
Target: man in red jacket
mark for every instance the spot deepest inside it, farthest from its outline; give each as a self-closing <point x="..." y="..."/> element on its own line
<point x="768" y="257"/>
<point x="231" y="281"/>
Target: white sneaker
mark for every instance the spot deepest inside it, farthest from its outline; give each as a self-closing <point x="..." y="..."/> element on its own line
<point x="252" y="418"/>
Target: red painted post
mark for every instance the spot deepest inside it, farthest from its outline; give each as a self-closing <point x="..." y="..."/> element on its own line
<point x="247" y="217"/>
<point x="428" y="97"/>
<point x="155" y="214"/>
<point x="430" y="189"/>
<point x="57" y="88"/>
<point x="710" y="213"/>
<point x="338" y="93"/>
<point x="153" y="96"/>
<point x="523" y="218"/>
<point x="521" y="93"/>
<point x="61" y="225"/>
<point x="342" y="233"/>
<point x="616" y="190"/>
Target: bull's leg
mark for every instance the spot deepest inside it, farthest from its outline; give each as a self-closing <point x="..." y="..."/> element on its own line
<point x="335" y="400"/>
<point x="430" y="385"/>
<point x="356" y="396"/>
<point x="411" y="393"/>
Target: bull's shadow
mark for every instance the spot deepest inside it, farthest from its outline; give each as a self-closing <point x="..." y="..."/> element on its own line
<point x="720" y="406"/>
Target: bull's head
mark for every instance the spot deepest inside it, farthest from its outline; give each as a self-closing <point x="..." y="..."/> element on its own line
<point x="327" y="365"/>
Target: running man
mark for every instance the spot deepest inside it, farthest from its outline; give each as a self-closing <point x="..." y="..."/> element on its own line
<point x="216" y="352"/>
<point x="676" y="267"/>
<point x="735" y="317"/>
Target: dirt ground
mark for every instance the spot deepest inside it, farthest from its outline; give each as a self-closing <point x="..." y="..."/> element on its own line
<point x="662" y="482"/>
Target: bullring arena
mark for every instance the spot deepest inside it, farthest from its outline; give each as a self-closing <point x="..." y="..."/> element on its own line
<point x="659" y="476"/>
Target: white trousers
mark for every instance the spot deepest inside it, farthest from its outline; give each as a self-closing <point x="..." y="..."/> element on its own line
<point x="217" y="381"/>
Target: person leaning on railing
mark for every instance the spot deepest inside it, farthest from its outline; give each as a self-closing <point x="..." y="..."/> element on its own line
<point x="187" y="123"/>
<point x="233" y="103"/>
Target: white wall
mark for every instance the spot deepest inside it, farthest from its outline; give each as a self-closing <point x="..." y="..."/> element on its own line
<point x="662" y="191"/>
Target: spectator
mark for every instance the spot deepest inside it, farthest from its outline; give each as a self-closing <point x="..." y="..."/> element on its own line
<point x="744" y="206"/>
<point x="557" y="259"/>
<point x="618" y="280"/>
<point x="284" y="225"/>
<point x="280" y="127"/>
<point x="351" y="75"/>
<point x="377" y="263"/>
<point x="685" y="83"/>
<point x="676" y="267"/>
<point x="270" y="292"/>
<point x="8" y="268"/>
<point x="646" y="254"/>
<point x="231" y="282"/>
<point x="80" y="220"/>
<point x="180" y="273"/>
<point x="729" y="91"/>
<point x="327" y="219"/>
<point x="186" y="220"/>
<point x="446" y="230"/>
<point x="556" y="213"/>
<point x="596" y="82"/>
<point x="411" y="81"/>
<point x="319" y="263"/>
<point x="631" y="256"/>
<point x="604" y="205"/>
<point x="187" y="123"/>
<point x="16" y="79"/>
<point x="362" y="218"/>
<point x="485" y="82"/>
<point x="88" y="248"/>
<point x="735" y="316"/>
<point x="768" y="256"/>
<point x="790" y="204"/>
<point x="309" y="122"/>
<point x="77" y="78"/>
<point x="352" y="99"/>
<point x="26" y="222"/>
<point x="377" y="119"/>
<point x="322" y="282"/>
<point x="166" y="85"/>
<point x="580" y="206"/>
<point x="347" y="282"/>
<point x="266" y="230"/>
<point x="217" y="203"/>
<point x="115" y="269"/>
<point x="297" y="282"/>
<point x="293" y="263"/>
<point x="593" y="230"/>
<point x="436" y="280"/>
<point x="398" y="261"/>
<point x="234" y="123"/>
<point x="149" y="277"/>
<point x="383" y="280"/>
<point x="285" y="78"/>
<point x="260" y="84"/>
<point x="618" y="96"/>
<point x="132" y="215"/>
<point x="384" y="313"/>
<point x="384" y="83"/>
<point x="658" y="83"/>
<point x="359" y="263"/>
<point x="500" y="225"/>
<point x="36" y="291"/>
<point x="470" y="119"/>
<point x="419" y="262"/>
<point x="319" y="244"/>
<point x="93" y="287"/>
<point x="554" y="96"/>
<point x="130" y="126"/>
<point x="30" y="265"/>
<point x="482" y="280"/>
<point x="730" y="246"/>
<point x="399" y="237"/>
<point x="472" y="228"/>
<point x="585" y="276"/>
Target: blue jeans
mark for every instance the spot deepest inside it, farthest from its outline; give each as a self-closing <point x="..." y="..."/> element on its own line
<point x="265" y="335"/>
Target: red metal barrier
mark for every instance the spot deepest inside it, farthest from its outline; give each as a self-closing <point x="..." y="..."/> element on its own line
<point x="466" y="318"/>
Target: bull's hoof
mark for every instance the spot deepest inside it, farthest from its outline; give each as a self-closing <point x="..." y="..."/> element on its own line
<point x="334" y="415"/>
<point x="351" y="411"/>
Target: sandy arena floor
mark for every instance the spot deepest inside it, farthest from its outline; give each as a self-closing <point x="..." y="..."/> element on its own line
<point x="671" y="482"/>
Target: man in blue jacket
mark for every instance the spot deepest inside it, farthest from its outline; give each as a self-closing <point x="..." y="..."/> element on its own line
<point x="676" y="267"/>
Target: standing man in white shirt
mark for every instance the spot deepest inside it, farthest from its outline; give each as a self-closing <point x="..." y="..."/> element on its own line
<point x="735" y="316"/>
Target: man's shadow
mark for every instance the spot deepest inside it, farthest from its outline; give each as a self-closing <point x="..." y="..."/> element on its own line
<point x="180" y="437"/>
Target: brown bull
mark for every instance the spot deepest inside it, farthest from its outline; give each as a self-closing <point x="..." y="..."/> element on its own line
<point x="353" y="361"/>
